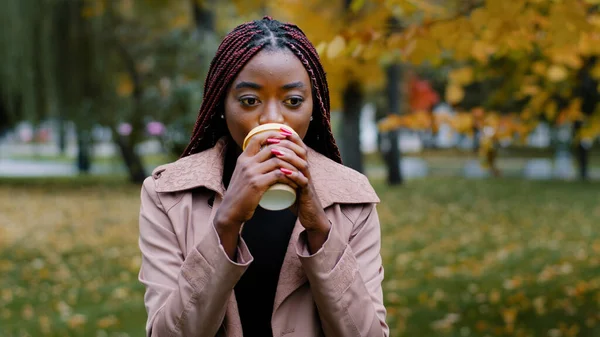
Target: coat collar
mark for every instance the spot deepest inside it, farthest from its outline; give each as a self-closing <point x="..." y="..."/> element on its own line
<point x="333" y="182"/>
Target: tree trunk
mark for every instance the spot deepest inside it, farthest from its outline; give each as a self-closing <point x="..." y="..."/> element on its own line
<point x="476" y="139"/>
<point x="587" y="90"/>
<point x="352" y="102"/>
<point x="127" y="144"/>
<point x="84" y="162"/>
<point x="62" y="135"/>
<point x="393" y="156"/>
<point x="132" y="160"/>
<point x="582" y="153"/>
<point x="203" y="16"/>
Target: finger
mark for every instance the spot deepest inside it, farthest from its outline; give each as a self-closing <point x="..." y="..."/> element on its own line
<point x="292" y="158"/>
<point x="299" y="150"/>
<point x="296" y="176"/>
<point x="269" y="158"/>
<point x="269" y="151"/>
<point x="295" y="139"/>
<point x="272" y="177"/>
<point x="272" y="164"/>
<point x="259" y="140"/>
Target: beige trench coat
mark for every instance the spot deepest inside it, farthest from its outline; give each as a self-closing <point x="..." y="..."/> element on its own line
<point x="189" y="278"/>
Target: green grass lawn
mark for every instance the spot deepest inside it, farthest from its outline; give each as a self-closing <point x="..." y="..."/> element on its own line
<point x="151" y="159"/>
<point x="462" y="258"/>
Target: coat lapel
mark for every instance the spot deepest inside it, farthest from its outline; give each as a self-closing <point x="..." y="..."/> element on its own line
<point x="334" y="183"/>
<point x="291" y="276"/>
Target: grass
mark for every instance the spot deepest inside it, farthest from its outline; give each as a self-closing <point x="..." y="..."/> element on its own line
<point x="149" y="159"/>
<point x="462" y="258"/>
<point x="492" y="258"/>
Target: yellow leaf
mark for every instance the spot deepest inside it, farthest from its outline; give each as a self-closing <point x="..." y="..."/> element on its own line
<point x="391" y="122"/>
<point x="93" y="8"/>
<point x="410" y="47"/>
<point x="480" y="18"/>
<point x="594" y="20"/>
<point x="76" y="321"/>
<point x="358" y="50"/>
<point x="335" y="47"/>
<point x="596" y="71"/>
<point x="371" y="52"/>
<point x="425" y="50"/>
<point x="454" y="93"/>
<point x="357" y="5"/>
<point x="539" y="68"/>
<point x="494" y="296"/>
<point x="395" y="41"/>
<point x="530" y="90"/>
<point x="551" y="110"/>
<point x="180" y="21"/>
<point x="538" y="100"/>
<point x="107" y="322"/>
<point x="462" y="76"/>
<point x="321" y="48"/>
<point x="557" y="73"/>
<point x="482" y="50"/>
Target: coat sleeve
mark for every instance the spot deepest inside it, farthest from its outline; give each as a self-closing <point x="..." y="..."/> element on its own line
<point x="345" y="279"/>
<point x="185" y="295"/>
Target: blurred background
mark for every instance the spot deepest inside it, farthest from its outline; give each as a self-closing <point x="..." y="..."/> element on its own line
<point x="476" y="121"/>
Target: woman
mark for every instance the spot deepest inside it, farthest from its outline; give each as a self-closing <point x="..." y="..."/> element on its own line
<point x="311" y="270"/>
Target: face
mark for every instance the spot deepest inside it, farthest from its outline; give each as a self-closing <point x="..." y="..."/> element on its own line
<point x="273" y="87"/>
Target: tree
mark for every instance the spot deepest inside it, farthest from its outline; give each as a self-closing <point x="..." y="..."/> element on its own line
<point x="58" y="84"/>
<point x="104" y="63"/>
<point x="525" y="58"/>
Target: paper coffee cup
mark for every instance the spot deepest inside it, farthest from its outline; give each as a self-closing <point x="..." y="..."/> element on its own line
<point x="278" y="196"/>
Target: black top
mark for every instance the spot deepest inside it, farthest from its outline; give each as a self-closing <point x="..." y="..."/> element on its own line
<point x="267" y="235"/>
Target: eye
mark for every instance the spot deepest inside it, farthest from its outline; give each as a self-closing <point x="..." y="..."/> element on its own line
<point x="249" y="101"/>
<point x="294" y="101"/>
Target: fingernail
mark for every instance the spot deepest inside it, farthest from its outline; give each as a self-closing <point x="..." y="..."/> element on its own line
<point x="286" y="171"/>
<point x="286" y="130"/>
<point x="276" y="152"/>
<point x="273" y="141"/>
<point x="285" y="134"/>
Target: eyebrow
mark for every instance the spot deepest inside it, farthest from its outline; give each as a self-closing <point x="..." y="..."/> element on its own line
<point x="293" y="85"/>
<point x="249" y="85"/>
<point x="252" y="85"/>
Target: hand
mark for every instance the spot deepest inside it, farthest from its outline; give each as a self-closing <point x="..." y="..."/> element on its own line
<point x="293" y="152"/>
<point x="257" y="168"/>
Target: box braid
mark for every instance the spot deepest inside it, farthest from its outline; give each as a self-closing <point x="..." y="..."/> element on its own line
<point x="236" y="49"/>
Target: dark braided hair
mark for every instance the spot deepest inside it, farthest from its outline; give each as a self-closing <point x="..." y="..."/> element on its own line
<point x="236" y="49"/>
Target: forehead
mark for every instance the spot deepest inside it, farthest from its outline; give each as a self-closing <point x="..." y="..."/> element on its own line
<point x="274" y="65"/>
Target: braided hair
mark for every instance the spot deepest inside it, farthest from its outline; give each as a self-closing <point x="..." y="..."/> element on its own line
<point x="236" y="49"/>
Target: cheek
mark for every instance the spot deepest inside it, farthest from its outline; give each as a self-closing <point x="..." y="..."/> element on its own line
<point x="235" y="125"/>
<point x="304" y="121"/>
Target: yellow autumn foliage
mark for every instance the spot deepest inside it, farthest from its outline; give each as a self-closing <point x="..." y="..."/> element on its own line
<point x="548" y="40"/>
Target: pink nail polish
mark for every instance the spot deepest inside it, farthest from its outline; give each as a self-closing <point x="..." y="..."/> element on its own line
<point x="273" y="141"/>
<point x="286" y="131"/>
<point x="286" y="171"/>
<point x="277" y="152"/>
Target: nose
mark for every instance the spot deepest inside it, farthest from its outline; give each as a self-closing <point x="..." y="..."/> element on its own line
<point x="271" y="113"/>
